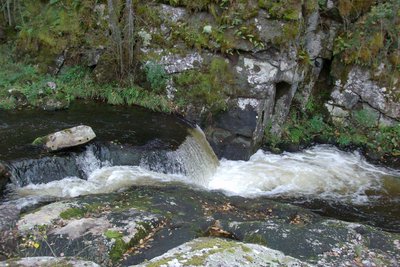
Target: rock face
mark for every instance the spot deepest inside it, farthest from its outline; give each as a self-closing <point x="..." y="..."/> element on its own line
<point x="358" y="91"/>
<point x="144" y="222"/>
<point x="267" y="73"/>
<point x="66" y="138"/>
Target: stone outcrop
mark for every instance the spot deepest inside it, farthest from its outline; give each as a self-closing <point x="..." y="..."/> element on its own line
<point x="66" y="138"/>
<point x="266" y="77"/>
<point x="359" y="91"/>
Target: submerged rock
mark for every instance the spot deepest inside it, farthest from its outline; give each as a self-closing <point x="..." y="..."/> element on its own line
<point x="218" y="252"/>
<point x="66" y="138"/>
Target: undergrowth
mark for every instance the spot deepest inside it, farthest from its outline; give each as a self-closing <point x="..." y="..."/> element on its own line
<point x="360" y="130"/>
<point x="72" y="83"/>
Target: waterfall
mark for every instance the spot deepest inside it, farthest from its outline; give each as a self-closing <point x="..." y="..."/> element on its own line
<point x="103" y="169"/>
<point x="194" y="158"/>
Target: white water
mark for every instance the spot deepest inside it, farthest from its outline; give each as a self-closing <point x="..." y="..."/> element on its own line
<point x="322" y="172"/>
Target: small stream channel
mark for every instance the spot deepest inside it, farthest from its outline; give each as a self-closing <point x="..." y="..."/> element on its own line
<point x="138" y="147"/>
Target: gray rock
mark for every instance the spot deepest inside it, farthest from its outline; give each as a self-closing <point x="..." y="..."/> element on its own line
<point x="359" y="87"/>
<point x="58" y="63"/>
<point x="51" y="103"/>
<point x="173" y="14"/>
<point x="346" y="99"/>
<point x="8" y="216"/>
<point x="18" y="96"/>
<point x="43" y="217"/>
<point x="176" y="63"/>
<point x="66" y="138"/>
<point x="47" y="261"/>
<point x="132" y="225"/>
<point x="215" y="252"/>
<point x="92" y="57"/>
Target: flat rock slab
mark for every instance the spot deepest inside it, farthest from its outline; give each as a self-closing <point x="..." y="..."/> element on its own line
<point x="217" y="252"/>
<point x="66" y="138"/>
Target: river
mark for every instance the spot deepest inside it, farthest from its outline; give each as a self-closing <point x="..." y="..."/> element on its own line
<point x="322" y="178"/>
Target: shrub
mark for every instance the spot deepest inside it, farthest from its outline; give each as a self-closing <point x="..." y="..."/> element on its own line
<point x="156" y="77"/>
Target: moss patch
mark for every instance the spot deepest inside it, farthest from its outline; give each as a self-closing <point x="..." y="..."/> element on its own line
<point x="209" y="87"/>
<point x="73" y="213"/>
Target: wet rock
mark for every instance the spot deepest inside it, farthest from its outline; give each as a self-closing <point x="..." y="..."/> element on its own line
<point x="96" y="229"/>
<point x="51" y="103"/>
<point x="19" y="97"/>
<point x="45" y="216"/>
<point x="221" y="252"/>
<point x="48" y="261"/>
<point x="9" y="214"/>
<point x="4" y="176"/>
<point x="232" y="132"/>
<point x="142" y="223"/>
<point x="66" y="138"/>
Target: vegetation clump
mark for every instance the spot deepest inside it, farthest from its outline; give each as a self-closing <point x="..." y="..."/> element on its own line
<point x="360" y="130"/>
<point x="209" y="87"/>
<point x="373" y="42"/>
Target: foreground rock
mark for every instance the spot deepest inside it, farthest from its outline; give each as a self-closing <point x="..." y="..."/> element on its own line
<point x="48" y="261"/>
<point x="144" y="222"/>
<point x="215" y="252"/>
<point x="66" y="138"/>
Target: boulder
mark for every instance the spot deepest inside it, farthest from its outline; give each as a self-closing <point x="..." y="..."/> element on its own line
<point x="51" y="103"/>
<point x="18" y="96"/>
<point x="66" y="138"/>
<point x="222" y="252"/>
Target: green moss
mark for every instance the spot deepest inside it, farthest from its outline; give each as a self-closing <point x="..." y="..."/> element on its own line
<point x="290" y="32"/>
<point x="245" y="248"/>
<point x="120" y="247"/>
<point x="39" y="141"/>
<point x="197" y="260"/>
<point x="282" y="9"/>
<point x="118" y="250"/>
<point x="72" y="213"/>
<point x="208" y="87"/>
<point x="110" y="234"/>
<point x="159" y="262"/>
<point x="372" y="40"/>
<point x="248" y="258"/>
